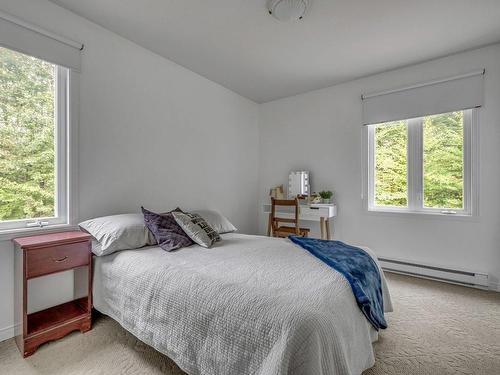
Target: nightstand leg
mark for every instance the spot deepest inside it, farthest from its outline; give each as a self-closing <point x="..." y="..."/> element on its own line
<point x="86" y="326"/>
<point x="327" y="224"/>
<point x="29" y="352"/>
<point x="322" y="227"/>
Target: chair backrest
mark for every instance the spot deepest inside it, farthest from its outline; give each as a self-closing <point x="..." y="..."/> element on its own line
<point x="287" y="203"/>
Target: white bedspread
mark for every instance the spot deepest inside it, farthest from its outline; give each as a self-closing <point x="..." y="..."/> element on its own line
<point x="250" y="305"/>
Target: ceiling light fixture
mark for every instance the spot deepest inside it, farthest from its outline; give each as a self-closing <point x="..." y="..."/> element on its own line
<point x="287" y="10"/>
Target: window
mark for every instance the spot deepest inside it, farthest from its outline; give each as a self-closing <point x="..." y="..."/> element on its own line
<point x="421" y="164"/>
<point x="33" y="146"/>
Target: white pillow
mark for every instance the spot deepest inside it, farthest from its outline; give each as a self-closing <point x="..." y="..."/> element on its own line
<point x="118" y="232"/>
<point x="217" y="221"/>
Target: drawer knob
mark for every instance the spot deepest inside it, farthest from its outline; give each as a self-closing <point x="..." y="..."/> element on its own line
<point x="60" y="260"/>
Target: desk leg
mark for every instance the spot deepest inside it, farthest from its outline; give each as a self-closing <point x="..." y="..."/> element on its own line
<point x="269" y="226"/>
<point x="322" y="227"/>
<point x="327" y="224"/>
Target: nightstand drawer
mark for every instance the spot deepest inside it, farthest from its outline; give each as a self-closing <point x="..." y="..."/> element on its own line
<point x="43" y="261"/>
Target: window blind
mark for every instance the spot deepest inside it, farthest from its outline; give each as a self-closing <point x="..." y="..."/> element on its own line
<point x="29" y="39"/>
<point x="439" y="96"/>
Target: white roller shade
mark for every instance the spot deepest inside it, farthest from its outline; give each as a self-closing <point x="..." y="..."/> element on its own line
<point x="17" y="35"/>
<point x="440" y="96"/>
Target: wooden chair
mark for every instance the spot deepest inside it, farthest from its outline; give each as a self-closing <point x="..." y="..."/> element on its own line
<point x="284" y="231"/>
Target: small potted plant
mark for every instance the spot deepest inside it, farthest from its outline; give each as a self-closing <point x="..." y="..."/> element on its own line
<point x="326" y="195"/>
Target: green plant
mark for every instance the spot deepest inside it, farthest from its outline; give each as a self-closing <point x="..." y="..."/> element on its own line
<point x="325" y="194"/>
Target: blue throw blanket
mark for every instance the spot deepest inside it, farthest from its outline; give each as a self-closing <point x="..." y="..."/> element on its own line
<point x="359" y="269"/>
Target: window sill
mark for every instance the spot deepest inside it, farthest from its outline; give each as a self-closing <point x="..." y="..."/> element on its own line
<point x="9" y="234"/>
<point x="422" y="214"/>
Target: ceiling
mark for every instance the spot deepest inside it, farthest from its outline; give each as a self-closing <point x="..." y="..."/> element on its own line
<point x="237" y="44"/>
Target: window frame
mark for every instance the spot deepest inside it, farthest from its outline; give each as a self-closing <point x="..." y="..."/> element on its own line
<point x="65" y="133"/>
<point x="415" y="187"/>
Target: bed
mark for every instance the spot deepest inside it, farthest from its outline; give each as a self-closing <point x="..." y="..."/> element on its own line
<point x="249" y="305"/>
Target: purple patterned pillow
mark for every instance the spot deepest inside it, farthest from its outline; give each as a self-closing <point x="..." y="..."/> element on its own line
<point x="166" y="231"/>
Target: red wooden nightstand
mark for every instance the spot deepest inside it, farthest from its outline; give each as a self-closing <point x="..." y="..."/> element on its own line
<point x="43" y="255"/>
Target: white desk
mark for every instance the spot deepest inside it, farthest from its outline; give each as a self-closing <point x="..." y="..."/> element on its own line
<point x="314" y="212"/>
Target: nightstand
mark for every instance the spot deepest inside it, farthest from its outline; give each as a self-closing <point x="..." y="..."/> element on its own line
<point x="44" y="255"/>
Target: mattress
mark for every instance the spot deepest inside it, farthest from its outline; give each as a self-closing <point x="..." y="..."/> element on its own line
<point x="249" y="305"/>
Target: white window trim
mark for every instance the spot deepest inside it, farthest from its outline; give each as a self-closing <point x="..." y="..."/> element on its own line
<point x="66" y="111"/>
<point x="415" y="169"/>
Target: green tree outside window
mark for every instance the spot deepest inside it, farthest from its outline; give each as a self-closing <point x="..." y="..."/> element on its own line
<point x="27" y="145"/>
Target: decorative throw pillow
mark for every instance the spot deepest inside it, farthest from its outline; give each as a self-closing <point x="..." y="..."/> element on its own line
<point x="216" y="220"/>
<point x="197" y="228"/>
<point x="166" y="231"/>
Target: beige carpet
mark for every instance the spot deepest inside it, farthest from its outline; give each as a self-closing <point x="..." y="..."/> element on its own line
<point x="436" y="329"/>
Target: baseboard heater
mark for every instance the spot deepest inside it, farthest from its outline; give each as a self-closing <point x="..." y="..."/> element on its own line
<point x="456" y="276"/>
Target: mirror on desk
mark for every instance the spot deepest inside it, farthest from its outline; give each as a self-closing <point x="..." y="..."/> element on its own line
<point x="298" y="183"/>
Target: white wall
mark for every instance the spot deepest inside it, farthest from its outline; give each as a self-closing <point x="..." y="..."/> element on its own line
<point x="320" y="131"/>
<point x="151" y="133"/>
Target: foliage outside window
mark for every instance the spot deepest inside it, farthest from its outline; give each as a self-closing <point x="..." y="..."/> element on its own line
<point x="443" y="160"/>
<point x="30" y="122"/>
<point x="421" y="164"/>
<point x="390" y="164"/>
<point x="27" y="187"/>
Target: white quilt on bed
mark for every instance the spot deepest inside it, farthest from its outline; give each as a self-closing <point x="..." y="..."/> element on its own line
<point x="249" y="305"/>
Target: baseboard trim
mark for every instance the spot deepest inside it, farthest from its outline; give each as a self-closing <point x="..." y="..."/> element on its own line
<point x="8" y="332"/>
<point x="494" y="286"/>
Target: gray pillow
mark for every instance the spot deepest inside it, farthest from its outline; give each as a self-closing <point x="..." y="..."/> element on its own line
<point x="216" y="220"/>
<point x="197" y="228"/>
<point x="166" y="231"/>
<point x="118" y="232"/>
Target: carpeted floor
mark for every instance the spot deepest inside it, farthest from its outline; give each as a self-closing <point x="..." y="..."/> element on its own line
<point x="436" y="328"/>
